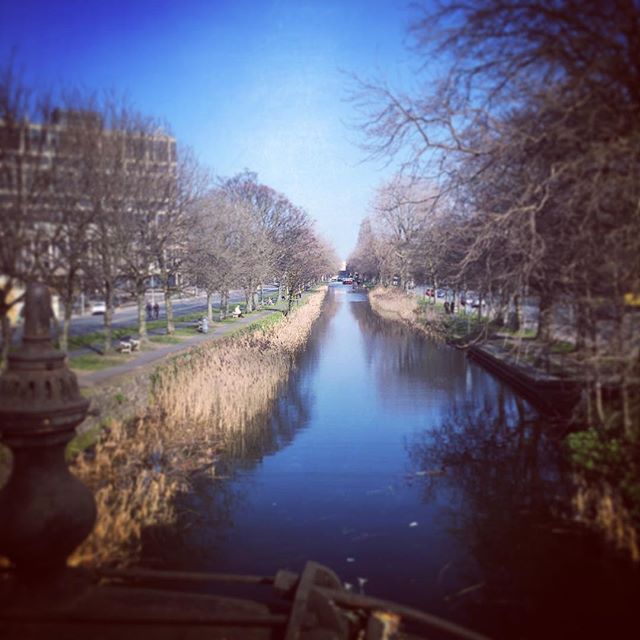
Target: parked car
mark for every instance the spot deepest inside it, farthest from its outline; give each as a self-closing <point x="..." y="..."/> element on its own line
<point x="98" y="307"/>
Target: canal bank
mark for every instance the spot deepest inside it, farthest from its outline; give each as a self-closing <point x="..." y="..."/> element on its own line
<point x="577" y="391"/>
<point x="137" y="455"/>
<point x="417" y="476"/>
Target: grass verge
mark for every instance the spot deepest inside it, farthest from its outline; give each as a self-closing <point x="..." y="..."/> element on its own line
<point x="96" y="362"/>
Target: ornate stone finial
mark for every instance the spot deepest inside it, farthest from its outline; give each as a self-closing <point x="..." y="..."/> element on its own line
<point x="38" y="314"/>
<point x="45" y="511"/>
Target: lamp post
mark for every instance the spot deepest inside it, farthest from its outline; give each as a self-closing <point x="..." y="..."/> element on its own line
<point x="45" y="511"/>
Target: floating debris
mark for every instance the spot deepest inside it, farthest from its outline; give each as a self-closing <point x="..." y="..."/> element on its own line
<point x="431" y="473"/>
<point x="464" y="592"/>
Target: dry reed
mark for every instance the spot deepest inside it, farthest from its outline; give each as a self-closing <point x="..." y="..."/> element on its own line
<point x="202" y="400"/>
<point x="133" y="475"/>
<point x="215" y="390"/>
<point x="394" y="304"/>
<point x="600" y="507"/>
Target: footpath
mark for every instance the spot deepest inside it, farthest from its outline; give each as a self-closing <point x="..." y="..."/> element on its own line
<point x="157" y="352"/>
<point x="125" y="389"/>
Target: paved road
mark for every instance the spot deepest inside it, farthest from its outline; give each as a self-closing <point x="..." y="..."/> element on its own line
<point x="127" y="316"/>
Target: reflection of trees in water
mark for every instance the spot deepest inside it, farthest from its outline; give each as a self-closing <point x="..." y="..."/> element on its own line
<point x="399" y="354"/>
<point x="206" y="512"/>
<point x="529" y="573"/>
<point x="275" y="428"/>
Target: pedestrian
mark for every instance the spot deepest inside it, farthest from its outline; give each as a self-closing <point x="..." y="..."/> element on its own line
<point x="156" y="310"/>
<point x="149" y="310"/>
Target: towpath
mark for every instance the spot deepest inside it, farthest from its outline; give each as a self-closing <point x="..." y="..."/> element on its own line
<point x="161" y="351"/>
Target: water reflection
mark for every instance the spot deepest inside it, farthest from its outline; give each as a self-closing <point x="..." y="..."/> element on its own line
<point x="396" y="461"/>
<point x="398" y="356"/>
<point x="207" y="511"/>
<point x="527" y="571"/>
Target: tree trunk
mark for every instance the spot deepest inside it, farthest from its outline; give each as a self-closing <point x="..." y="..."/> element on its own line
<point x="209" y="307"/>
<point x="142" y="315"/>
<point x="580" y="326"/>
<point x="6" y="335"/>
<point x="544" y="318"/>
<point x="64" y="334"/>
<point x="108" y="317"/>
<point x="599" y="401"/>
<point x="625" y="399"/>
<point x="513" y="320"/>
<point x="168" y="308"/>
<point x="224" y="304"/>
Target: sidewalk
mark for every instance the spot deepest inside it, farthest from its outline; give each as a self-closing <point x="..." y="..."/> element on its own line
<point x="160" y="351"/>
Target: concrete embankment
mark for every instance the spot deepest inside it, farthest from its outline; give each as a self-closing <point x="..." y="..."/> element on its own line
<point x="551" y="394"/>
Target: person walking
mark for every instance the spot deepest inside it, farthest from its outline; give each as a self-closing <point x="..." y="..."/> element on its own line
<point x="149" y="310"/>
<point x="156" y="310"/>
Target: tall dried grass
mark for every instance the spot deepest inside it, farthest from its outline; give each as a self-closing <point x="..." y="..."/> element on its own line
<point x="394" y="304"/>
<point x="203" y="400"/>
<point x="215" y="390"/>
<point x="600" y="507"/>
<point x="133" y="475"/>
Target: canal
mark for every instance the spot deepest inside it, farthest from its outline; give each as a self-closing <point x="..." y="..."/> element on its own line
<point x="417" y="476"/>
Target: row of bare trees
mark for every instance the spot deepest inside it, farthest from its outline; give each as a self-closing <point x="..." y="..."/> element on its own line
<point x="520" y="166"/>
<point x="244" y="233"/>
<point x="520" y="156"/>
<point x="94" y="197"/>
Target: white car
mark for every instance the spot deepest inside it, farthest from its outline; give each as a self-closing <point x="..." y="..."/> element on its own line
<point x="98" y="308"/>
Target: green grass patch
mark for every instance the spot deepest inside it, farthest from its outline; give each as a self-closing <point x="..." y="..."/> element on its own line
<point x="96" y="362"/>
<point x="258" y="323"/>
<point x="193" y="317"/>
<point x="562" y="347"/>
<point x="89" y="339"/>
<point x="81" y="442"/>
<point x="166" y="339"/>
<point x="186" y="332"/>
<point x="519" y="333"/>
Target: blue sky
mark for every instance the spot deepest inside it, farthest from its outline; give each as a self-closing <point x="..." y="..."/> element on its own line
<point x="255" y="84"/>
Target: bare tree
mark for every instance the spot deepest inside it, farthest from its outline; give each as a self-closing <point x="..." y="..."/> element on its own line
<point x="211" y="259"/>
<point x="107" y="194"/>
<point x="178" y="193"/>
<point x="76" y="129"/>
<point x="365" y="257"/>
<point x="25" y="178"/>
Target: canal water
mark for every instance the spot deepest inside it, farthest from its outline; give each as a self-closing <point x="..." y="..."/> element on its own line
<point x="417" y="476"/>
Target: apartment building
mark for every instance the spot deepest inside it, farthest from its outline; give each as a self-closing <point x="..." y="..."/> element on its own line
<point x="45" y="170"/>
